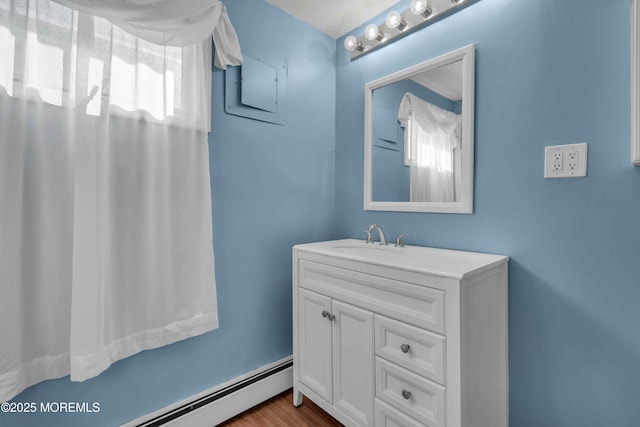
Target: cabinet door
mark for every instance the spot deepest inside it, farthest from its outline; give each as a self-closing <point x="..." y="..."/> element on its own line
<point x="314" y="342"/>
<point x="353" y="387"/>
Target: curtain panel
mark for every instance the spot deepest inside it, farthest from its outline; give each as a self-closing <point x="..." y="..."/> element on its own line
<point x="431" y="149"/>
<point x="170" y="22"/>
<point x="105" y="202"/>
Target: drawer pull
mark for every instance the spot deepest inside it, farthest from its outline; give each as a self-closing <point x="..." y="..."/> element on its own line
<point x="405" y="348"/>
<point x="406" y="394"/>
<point x="328" y="315"/>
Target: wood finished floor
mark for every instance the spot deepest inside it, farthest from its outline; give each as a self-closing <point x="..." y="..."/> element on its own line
<point x="279" y="412"/>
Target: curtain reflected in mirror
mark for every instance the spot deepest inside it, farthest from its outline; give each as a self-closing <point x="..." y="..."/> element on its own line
<point x="432" y="147"/>
<point x="417" y="134"/>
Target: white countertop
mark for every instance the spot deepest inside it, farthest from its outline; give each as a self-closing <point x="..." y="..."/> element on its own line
<point x="434" y="261"/>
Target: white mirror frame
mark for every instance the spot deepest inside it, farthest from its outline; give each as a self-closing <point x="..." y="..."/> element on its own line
<point x="635" y="83"/>
<point x="465" y="204"/>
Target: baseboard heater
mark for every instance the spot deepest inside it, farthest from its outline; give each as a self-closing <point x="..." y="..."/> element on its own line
<point x="239" y="395"/>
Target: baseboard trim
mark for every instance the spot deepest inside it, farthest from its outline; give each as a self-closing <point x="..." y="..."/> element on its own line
<point x="225" y="401"/>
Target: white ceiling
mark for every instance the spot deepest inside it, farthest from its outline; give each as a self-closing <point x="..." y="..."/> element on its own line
<point x="338" y="17"/>
<point x="445" y="80"/>
<point x="334" y="17"/>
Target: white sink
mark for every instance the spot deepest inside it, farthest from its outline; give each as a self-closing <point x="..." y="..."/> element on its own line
<point x="440" y="262"/>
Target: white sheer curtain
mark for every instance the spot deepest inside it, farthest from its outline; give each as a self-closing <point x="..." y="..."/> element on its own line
<point x="433" y="139"/>
<point x="105" y="202"/>
<point x="170" y="22"/>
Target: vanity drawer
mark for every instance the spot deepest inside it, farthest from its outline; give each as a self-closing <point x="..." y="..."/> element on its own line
<point x="418" y="305"/>
<point x="388" y="416"/>
<point x="418" y="350"/>
<point x="416" y="396"/>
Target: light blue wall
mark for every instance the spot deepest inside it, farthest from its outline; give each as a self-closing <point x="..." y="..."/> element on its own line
<point x="273" y="186"/>
<point x="548" y="72"/>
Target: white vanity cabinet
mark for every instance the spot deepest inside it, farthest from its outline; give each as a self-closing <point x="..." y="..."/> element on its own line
<point x="410" y="336"/>
<point x="335" y="354"/>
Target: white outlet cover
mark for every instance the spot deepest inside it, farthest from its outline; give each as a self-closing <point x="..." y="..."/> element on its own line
<point x="573" y="158"/>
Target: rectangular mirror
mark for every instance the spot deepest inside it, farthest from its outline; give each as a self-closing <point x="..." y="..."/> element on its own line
<point x="419" y="125"/>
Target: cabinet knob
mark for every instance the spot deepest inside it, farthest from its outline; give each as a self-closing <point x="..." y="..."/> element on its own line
<point x="328" y="315"/>
<point x="406" y="394"/>
<point x="405" y="348"/>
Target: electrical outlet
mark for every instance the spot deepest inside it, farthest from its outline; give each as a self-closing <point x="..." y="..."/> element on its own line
<point x="573" y="159"/>
<point x="565" y="161"/>
<point x="557" y="161"/>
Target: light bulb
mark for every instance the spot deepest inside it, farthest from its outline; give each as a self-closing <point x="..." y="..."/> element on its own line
<point x="372" y="33"/>
<point x="421" y="7"/>
<point x="351" y="43"/>
<point x="394" y="20"/>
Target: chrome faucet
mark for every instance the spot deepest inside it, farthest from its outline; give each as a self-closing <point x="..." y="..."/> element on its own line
<point x="383" y="238"/>
<point x="400" y="240"/>
<point x="369" y="236"/>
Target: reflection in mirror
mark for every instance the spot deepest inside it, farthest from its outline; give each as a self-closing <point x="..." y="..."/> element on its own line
<point x="419" y="137"/>
<point x="416" y="140"/>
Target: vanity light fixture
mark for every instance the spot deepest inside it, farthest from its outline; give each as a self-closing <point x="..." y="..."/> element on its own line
<point x="394" y="20"/>
<point x="399" y="24"/>
<point x="353" y="44"/>
<point x="422" y="8"/>
<point x="373" y="33"/>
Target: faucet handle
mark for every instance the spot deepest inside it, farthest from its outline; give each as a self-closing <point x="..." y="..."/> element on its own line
<point x="400" y="240"/>
<point x="369" y="236"/>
